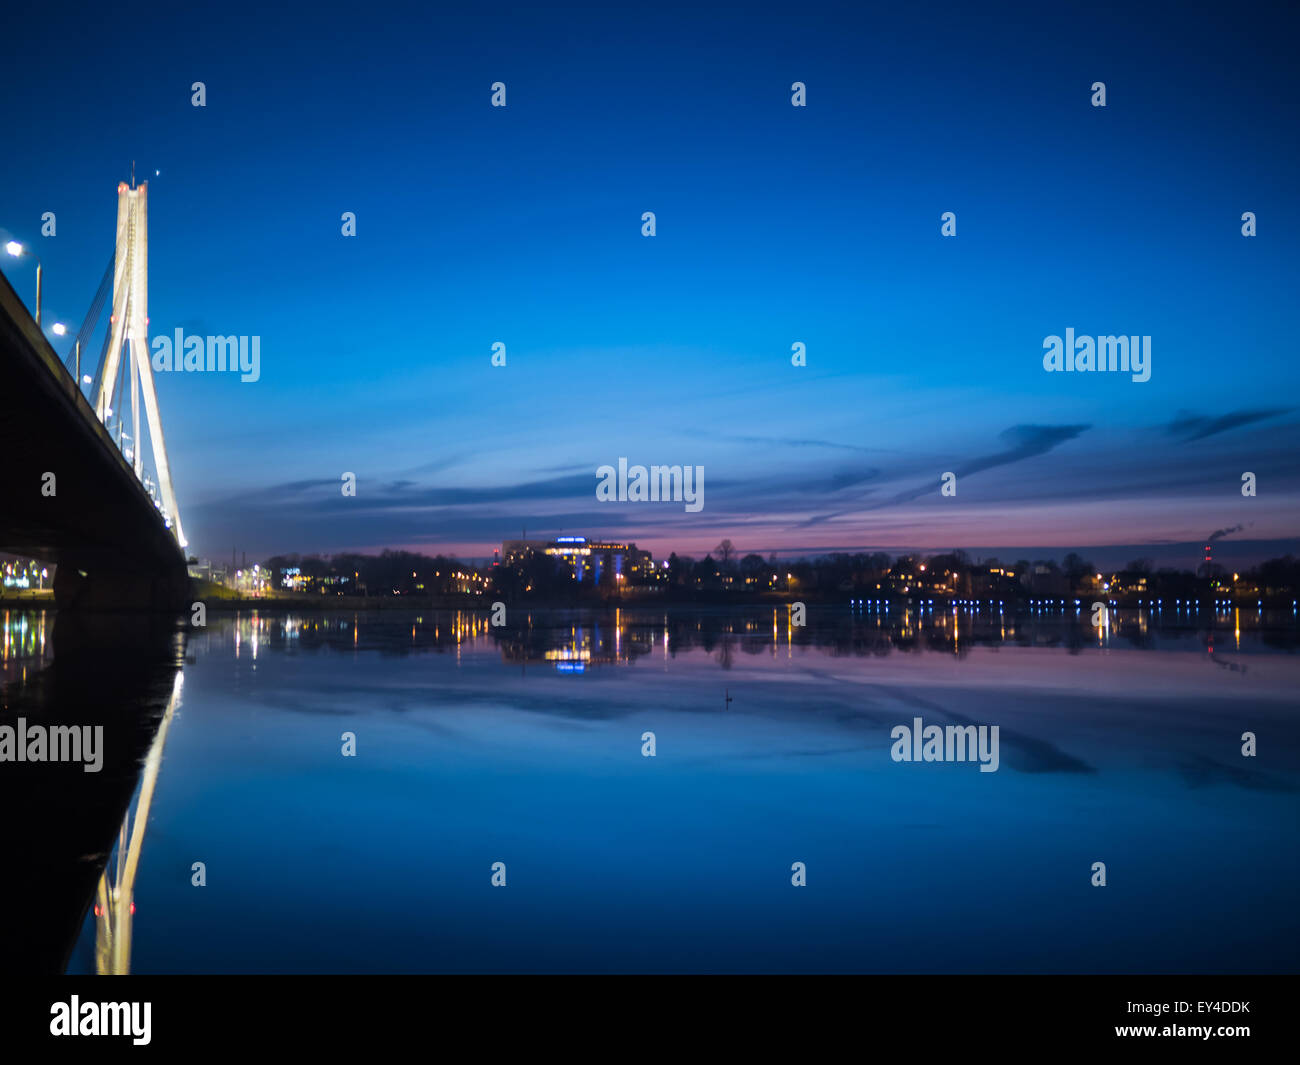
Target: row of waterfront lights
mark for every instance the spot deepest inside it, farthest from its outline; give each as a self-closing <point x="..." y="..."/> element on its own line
<point x="1040" y="604"/>
<point x="922" y="603"/>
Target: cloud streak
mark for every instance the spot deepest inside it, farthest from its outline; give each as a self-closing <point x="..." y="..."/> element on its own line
<point x="1189" y="426"/>
<point x="1023" y="442"/>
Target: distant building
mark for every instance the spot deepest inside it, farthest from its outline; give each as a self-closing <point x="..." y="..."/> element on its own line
<point x="992" y="582"/>
<point x="516" y="551"/>
<point x="1048" y="582"/>
<point x="587" y="559"/>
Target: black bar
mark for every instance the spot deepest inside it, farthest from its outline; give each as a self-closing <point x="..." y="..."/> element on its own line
<point x="615" y="1016"/>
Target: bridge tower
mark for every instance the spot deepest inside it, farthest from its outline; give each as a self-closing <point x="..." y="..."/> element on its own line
<point x="129" y="326"/>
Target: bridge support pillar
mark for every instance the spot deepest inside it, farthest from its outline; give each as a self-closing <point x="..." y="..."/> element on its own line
<point x="100" y="588"/>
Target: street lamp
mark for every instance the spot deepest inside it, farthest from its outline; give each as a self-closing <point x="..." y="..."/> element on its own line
<point x="17" y="250"/>
<point x="59" y="329"/>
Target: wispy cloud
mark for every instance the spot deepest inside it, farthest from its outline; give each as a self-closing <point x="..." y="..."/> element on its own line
<point x="1191" y="426"/>
<point x="1023" y="442"/>
<point x="786" y="441"/>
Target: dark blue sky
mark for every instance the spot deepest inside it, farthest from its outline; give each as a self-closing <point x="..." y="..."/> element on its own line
<point x="775" y="225"/>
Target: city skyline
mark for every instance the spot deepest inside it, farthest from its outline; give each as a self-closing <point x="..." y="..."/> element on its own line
<point x="1110" y="557"/>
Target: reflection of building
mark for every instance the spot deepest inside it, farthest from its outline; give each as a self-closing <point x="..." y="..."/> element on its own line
<point x="592" y="643"/>
<point x="589" y="560"/>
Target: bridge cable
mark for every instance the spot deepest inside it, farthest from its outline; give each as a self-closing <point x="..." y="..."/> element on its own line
<point x="91" y="320"/>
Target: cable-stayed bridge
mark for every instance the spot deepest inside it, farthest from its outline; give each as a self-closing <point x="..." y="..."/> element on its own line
<point x="78" y="490"/>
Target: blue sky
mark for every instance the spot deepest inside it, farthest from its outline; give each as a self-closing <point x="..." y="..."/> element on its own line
<point x="775" y="224"/>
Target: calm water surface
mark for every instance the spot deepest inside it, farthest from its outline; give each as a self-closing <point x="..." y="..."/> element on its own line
<point x="523" y="745"/>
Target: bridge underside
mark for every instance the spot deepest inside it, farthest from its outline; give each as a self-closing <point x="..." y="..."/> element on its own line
<point x="93" y="517"/>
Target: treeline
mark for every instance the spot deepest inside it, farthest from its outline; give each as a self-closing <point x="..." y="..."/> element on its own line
<point x="725" y="573"/>
<point x="955" y="575"/>
<point x="388" y="573"/>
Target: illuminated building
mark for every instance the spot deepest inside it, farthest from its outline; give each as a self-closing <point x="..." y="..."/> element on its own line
<point x="586" y="559"/>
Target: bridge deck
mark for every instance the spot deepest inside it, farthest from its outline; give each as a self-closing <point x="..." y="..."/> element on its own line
<point x="100" y="516"/>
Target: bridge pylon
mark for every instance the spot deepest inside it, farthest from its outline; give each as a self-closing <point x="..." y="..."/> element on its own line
<point x="129" y="328"/>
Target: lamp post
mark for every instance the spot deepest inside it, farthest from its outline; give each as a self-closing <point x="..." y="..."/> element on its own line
<point x="16" y="250"/>
<point x="59" y="329"/>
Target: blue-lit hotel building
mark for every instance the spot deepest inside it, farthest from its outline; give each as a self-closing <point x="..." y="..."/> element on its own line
<point x="587" y="558"/>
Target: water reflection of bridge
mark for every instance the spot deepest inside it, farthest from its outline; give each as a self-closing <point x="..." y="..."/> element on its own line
<point x="115" y="893"/>
<point x="77" y="670"/>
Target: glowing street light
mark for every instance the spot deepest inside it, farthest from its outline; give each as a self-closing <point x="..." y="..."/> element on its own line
<point x="17" y="251"/>
<point x="59" y="330"/>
